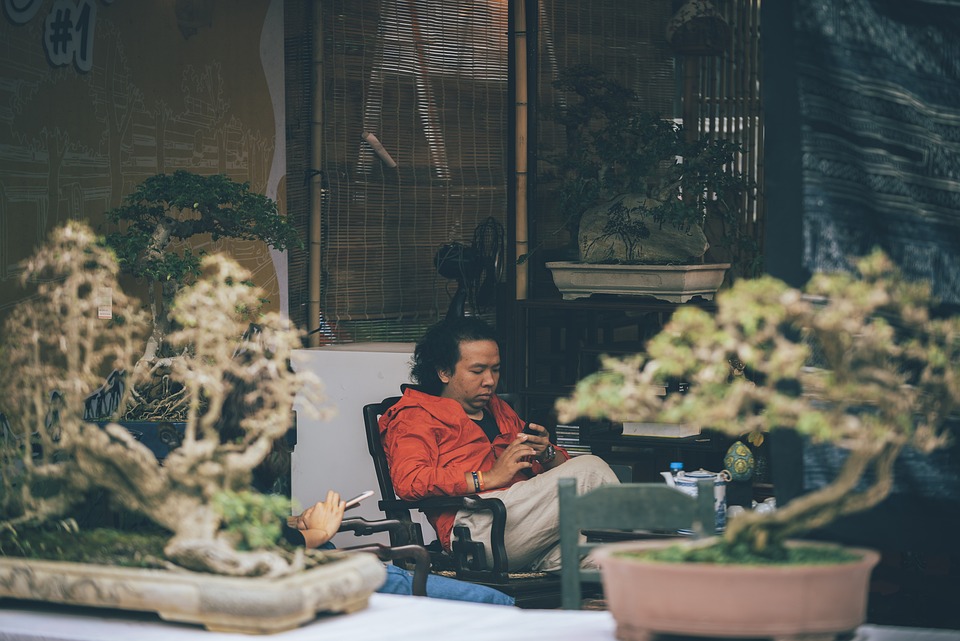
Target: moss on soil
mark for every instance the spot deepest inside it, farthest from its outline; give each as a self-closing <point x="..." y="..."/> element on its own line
<point x="722" y="554"/>
<point x="107" y="546"/>
<point x="100" y="545"/>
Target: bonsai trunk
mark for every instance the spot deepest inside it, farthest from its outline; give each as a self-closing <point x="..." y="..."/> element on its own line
<point x="112" y="456"/>
<point x="765" y="534"/>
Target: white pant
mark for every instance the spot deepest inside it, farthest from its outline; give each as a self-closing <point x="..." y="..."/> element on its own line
<point x="532" y="535"/>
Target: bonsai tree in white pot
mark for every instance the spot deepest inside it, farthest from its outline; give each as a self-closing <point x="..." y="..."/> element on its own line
<point x="856" y="359"/>
<point x="635" y="191"/>
<point x="632" y="176"/>
<point x="56" y="349"/>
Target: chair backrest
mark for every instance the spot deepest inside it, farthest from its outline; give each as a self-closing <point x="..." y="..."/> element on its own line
<point x="643" y="507"/>
<point x="371" y="424"/>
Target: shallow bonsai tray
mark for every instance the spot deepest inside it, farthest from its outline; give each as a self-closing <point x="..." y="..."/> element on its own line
<point x="251" y="605"/>
<point x="672" y="283"/>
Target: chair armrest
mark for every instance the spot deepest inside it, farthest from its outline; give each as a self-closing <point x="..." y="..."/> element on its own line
<point x="473" y="502"/>
<point x="362" y="527"/>
<point x="429" y="503"/>
<point x="498" y="512"/>
<point x="416" y="553"/>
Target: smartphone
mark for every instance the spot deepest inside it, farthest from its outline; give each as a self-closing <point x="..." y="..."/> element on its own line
<point x="529" y="430"/>
<point x="355" y="501"/>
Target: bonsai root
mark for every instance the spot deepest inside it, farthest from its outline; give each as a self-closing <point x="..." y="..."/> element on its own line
<point x="203" y="555"/>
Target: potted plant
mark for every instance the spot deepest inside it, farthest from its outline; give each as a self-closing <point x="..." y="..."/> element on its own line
<point x="636" y="192"/>
<point x="154" y="227"/>
<point x="857" y="360"/>
<point x="218" y="555"/>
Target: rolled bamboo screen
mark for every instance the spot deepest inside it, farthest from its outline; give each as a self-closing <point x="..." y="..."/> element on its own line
<point x="413" y="157"/>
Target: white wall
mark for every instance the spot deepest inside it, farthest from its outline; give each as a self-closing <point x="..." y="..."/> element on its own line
<point x="333" y="454"/>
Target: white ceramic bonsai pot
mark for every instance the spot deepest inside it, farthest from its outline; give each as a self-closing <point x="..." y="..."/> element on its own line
<point x="701" y="599"/>
<point x="672" y="283"/>
<point x="251" y="605"/>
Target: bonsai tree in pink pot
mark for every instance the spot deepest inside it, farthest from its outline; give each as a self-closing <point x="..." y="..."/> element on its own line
<point x="855" y="359"/>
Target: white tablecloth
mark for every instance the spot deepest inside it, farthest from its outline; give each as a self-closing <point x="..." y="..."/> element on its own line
<point x="388" y="617"/>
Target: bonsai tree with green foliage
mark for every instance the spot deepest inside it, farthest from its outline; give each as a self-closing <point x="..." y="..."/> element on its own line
<point x="152" y="243"/>
<point x="856" y="359"/>
<point x="633" y="188"/>
<point x="167" y="210"/>
<point x="241" y="401"/>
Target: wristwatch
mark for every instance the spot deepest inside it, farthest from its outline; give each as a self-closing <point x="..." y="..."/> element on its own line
<point x="548" y="454"/>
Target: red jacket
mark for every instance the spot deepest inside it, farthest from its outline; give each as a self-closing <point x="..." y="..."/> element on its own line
<point x="431" y="443"/>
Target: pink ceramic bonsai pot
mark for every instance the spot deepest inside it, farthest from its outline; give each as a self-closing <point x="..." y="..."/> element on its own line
<point x="701" y="599"/>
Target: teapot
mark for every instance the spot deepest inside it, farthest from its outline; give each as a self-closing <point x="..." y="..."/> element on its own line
<point x="687" y="482"/>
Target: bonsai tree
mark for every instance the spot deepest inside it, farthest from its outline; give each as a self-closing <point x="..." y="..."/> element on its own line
<point x="857" y="360"/>
<point x="56" y="350"/>
<point x="633" y="189"/>
<point x="168" y="209"/>
<point x="156" y="223"/>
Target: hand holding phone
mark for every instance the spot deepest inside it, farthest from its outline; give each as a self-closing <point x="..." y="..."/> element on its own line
<point x="295" y="521"/>
<point x="529" y="430"/>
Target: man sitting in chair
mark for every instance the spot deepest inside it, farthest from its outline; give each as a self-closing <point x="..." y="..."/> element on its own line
<point x="452" y="435"/>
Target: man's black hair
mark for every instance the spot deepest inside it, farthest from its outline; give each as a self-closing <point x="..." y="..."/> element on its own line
<point x="439" y="349"/>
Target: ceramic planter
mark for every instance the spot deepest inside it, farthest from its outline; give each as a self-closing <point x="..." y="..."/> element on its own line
<point x="700" y="599"/>
<point x="252" y="605"/>
<point x="672" y="283"/>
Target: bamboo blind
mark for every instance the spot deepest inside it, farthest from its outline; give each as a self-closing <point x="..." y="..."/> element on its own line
<point x="424" y="82"/>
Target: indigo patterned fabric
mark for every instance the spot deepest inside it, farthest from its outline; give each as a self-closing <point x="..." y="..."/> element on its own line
<point x="879" y="92"/>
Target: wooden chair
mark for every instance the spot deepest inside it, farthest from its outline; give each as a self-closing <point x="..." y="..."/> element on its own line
<point x="629" y="510"/>
<point x="467" y="559"/>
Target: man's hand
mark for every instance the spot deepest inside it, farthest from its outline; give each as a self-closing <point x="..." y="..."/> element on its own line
<point x="539" y="439"/>
<point x="515" y="458"/>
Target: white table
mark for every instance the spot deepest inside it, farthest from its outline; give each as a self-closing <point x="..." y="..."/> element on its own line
<point x="388" y="617"/>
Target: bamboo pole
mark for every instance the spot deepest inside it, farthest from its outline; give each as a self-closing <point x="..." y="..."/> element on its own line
<point x="316" y="179"/>
<point x="520" y="173"/>
<point x="757" y="130"/>
<point x="691" y="90"/>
